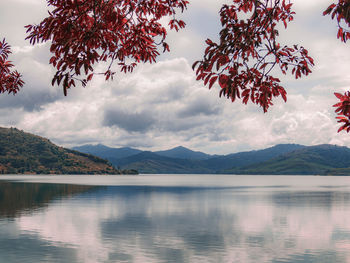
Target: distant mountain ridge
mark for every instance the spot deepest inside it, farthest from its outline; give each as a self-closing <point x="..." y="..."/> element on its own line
<point x="149" y="162"/>
<point x="280" y="159"/>
<point x="184" y="153"/>
<point x="106" y="152"/>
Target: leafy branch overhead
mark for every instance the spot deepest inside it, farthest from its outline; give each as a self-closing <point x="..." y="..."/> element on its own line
<point x="341" y="12"/>
<point x="248" y="51"/>
<point x="83" y="33"/>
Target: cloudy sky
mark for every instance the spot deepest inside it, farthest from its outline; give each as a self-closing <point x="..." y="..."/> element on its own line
<point x="161" y="106"/>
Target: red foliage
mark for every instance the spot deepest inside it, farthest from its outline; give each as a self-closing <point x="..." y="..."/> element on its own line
<point x="341" y="11"/>
<point x="343" y="110"/>
<point x="248" y="51"/>
<point x="10" y="81"/>
<point x="85" y="32"/>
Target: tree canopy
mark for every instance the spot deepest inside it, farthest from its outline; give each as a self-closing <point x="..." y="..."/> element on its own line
<point x="83" y="33"/>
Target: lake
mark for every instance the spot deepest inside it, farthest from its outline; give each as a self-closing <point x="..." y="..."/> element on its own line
<point x="174" y="218"/>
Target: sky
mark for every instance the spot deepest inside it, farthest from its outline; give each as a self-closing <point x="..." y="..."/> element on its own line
<point x="161" y="106"/>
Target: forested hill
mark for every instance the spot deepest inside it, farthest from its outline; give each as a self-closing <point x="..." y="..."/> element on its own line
<point x="22" y="152"/>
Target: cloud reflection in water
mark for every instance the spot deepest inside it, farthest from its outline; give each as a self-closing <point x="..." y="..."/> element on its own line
<point x="184" y="224"/>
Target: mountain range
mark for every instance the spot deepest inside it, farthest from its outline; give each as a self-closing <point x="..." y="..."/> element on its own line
<point x="22" y="152"/>
<point x="280" y="159"/>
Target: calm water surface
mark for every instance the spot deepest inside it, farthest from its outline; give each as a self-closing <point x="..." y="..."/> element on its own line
<point x="174" y="218"/>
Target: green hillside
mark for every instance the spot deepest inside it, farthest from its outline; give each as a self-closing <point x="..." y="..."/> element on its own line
<point x="320" y="159"/>
<point x="25" y="153"/>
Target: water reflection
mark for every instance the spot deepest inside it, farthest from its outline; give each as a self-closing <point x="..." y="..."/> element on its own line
<point x="19" y="198"/>
<point x="174" y="224"/>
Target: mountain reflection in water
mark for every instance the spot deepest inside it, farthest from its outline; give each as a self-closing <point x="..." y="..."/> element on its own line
<point x="19" y="198"/>
<point x="135" y="223"/>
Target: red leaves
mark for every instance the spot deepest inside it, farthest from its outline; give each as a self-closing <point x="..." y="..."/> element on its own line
<point x="248" y="51"/>
<point x="341" y="11"/>
<point x="329" y="9"/>
<point x="84" y="33"/>
<point x="10" y="81"/>
<point x="343" y="110"/>
<point x="176" y="24"/>
<point x="90" y="77"/>
<point x="212" y="81"/>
